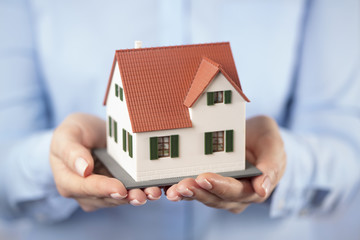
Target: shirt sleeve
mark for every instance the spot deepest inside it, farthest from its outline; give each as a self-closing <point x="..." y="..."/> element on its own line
<point x="323" y="141"/>
<point x="27" y="187"/>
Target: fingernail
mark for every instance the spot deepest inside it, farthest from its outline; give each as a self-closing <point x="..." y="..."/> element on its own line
<point x="118" y="196"/>
<point x="174" y="199"/>
<point x="266" y="185"/>
<point x="204" y="183"/>
<point x="151" y="197"/>
<point x="80" y="166"/>
<point x="172" y="196"/>
<point x="186" y="192"/>
<point x="136" y="202"/>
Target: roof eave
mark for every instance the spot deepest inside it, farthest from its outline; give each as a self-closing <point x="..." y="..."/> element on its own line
<point x="109" y="81"/>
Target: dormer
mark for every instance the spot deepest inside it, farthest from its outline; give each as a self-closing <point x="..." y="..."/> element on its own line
<point x="205" y="74"/>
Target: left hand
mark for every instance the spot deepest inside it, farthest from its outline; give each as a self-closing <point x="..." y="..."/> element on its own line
<point x="264" y="149"/>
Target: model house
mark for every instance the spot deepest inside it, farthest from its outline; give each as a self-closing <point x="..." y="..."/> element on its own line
<point x="175" y="111"/>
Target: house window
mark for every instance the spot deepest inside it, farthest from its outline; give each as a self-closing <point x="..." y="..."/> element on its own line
<point x="219" y="141"/>
<point x="166" y="146"/>
<point x="218" y="97"/>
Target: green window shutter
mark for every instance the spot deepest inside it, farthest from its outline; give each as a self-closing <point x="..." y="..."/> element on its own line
<point x="110" y="129"/>
<point x="210" y="98"/>
<point x="174" y="146"/>
<point x="130" y="145"/>
<point x="208" y="143"/>
<point x="116" y="90"/>
<point x="115" y="131"/>
<point x="229" y="140"/>
<point x="153" y="148"/>
<point x="121" y="94"/>
<point x="227" y="97"/>
<point x="124" y="139"/>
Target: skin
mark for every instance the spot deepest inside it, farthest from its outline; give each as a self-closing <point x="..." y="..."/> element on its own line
<point x="79" y="133"/>
<point x="264" y="149"/>
<point x="72" y="140"/>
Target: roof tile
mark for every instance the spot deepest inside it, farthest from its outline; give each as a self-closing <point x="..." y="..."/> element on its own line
<point x="157" y="80"/>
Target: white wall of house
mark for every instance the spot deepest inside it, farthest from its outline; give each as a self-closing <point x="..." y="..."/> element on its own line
<point x="192" y="160"/>
<point x="118" y="111"/>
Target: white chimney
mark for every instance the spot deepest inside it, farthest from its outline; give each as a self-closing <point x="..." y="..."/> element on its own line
<point x="138" y="44"/>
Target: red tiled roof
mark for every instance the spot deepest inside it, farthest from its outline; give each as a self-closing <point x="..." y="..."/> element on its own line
<point x="157" y="80"/>
<point x="208" y="69"/>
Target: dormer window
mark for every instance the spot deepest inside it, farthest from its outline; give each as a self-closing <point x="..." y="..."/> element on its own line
<point x="218" y="97"/>
<point x="164" y="146"/>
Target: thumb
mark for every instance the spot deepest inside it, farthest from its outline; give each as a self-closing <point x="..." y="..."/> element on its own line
<point x="272" y="169"/>
<point x="76" y="157"/>
<point x="74" y="138"/>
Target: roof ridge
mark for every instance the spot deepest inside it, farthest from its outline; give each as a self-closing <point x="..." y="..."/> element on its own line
<point x="174" y="46"/>
<point x="218" y="65"/>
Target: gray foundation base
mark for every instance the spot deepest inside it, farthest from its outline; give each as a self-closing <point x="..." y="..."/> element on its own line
<point x="118" y="172"/>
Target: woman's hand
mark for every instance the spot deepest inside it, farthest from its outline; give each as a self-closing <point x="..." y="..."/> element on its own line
<point x="264" y="149"/>
<point x="73" y="165"/>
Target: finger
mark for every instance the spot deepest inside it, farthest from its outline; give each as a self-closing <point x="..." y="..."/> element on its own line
<point x="112" y="202"/>
<point x="153" y="193"/>
<point x="190" y="190"/>
<point x="91" y="128"/>
<point x="72" y="185"/>
<point x="73" y="140"/>
<point x="77" y="158"/>
<point x="186" y="187"/>
<point x="173" y="195"/>
<point x="272" y="169"/>
<point x="68" y="148"/>
<point x="237" y="208"/>
<point x="137" y="197"/>
<point x="93" y="204"/>
<point x="226" y="188"/>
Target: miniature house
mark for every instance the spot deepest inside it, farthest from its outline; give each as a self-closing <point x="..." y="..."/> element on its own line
<point x="175" y="111"/>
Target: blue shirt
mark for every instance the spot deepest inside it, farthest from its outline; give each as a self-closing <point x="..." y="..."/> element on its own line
<point x="55" y="58"/>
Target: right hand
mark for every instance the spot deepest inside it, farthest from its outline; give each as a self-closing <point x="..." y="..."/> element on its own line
<point x="73" y="165"/>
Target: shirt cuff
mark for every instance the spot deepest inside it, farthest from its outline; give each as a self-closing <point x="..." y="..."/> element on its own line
<point x="294" y="195"/>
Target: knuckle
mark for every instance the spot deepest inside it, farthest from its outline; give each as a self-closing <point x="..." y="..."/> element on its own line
<point x="222" y="191"/>
<point x="84" y="190"/>
<point x="64" y="192"/>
